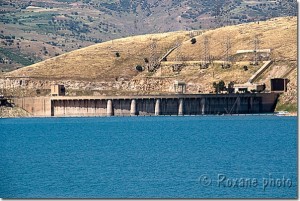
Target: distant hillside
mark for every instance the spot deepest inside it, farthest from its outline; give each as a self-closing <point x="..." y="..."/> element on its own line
<point x="100" y="62"/>
<point x="35" y="30"/>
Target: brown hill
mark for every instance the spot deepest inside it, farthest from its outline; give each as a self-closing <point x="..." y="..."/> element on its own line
<point x="35" y="30"/>
<point x="100" y="61"/>
<point x="98" y="68"/>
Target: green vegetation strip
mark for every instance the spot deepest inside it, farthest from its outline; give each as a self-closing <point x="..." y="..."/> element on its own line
<point x="15" y="57"/>
<point x="286" y="107"/>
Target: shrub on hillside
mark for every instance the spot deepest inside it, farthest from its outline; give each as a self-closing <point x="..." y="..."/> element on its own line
<point x="193" y="41"/>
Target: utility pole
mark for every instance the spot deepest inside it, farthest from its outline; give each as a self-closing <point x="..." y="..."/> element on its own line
<point x="256" y="48"/>
<point x="227" y="47"/>
<point x="178" y="57"/>
<point x="205" y="54"/>
<point x="153" y="60"/>
<point x="178" y="52"/>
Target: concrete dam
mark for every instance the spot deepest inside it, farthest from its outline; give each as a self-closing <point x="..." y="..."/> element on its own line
<point x="178" y="104"/>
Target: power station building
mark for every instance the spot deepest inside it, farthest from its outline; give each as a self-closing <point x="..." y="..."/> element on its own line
<point x="279" y="85"/>
<point x="58" y="90"/>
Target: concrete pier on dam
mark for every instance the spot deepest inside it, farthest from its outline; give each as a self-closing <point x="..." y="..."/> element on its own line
<point x="181" y="104"/>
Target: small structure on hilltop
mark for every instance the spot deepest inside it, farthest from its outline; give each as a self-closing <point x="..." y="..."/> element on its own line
<point x="249" y="87"/>
<point x="58" y="90"/>
<point x="179" y="87"/>
<point x="266" y="51"/>
<point x="227" y="51"/>
<point x="261" y="54"/>
<point x="205" y="54"/>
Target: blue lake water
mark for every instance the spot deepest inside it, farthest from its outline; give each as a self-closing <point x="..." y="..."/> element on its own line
<point x="149" y="157"/>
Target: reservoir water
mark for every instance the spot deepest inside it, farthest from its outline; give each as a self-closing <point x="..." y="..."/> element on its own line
<point x="149" y="157"/>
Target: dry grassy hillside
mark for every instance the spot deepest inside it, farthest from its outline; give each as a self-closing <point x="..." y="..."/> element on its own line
<point x="36" y="30"/>
<point x="99" y="62"/>
<point x="98" y="70"/>
<point x="278" y="34"/>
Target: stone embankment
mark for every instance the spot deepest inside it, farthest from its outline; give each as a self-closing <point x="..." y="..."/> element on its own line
<point x="9" y="112"/>
<point x="144" y="85"/>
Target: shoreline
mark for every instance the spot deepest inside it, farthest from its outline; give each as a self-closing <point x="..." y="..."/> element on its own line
<point x="136" y="116"/>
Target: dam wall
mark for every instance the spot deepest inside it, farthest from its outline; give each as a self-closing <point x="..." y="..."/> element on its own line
<point x="36" y="106"/>
<point x="193" y="104"/>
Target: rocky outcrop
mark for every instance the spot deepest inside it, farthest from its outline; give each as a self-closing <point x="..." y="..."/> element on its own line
<point x="144" y="85"/>
<point x="7" y="112"/>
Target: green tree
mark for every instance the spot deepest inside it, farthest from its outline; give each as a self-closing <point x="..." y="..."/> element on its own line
<point x="219" y="86"/>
